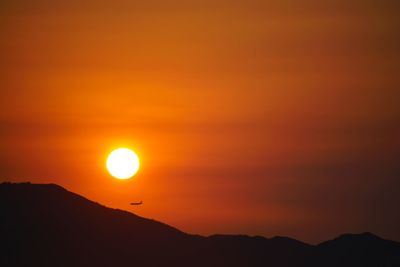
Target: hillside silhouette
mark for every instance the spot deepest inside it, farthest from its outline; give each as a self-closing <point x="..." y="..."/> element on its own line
<point x="46" y="225"/>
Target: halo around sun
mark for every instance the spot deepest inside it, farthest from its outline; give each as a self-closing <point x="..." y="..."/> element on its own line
<point x="122" y="163"/>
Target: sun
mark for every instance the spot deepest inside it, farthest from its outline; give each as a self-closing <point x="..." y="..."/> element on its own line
<point x="122" y="163"/>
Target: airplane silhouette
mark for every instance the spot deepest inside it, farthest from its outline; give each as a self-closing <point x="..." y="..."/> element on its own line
<point x="137" y="203"/>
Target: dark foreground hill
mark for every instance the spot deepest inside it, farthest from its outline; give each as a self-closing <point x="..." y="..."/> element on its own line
<point x="46" y="225"/>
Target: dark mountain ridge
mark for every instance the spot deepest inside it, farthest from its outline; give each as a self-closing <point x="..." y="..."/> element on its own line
<point x="46" y="225"/>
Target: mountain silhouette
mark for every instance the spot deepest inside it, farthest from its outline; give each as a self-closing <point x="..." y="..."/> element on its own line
<point x="46" y="225"/>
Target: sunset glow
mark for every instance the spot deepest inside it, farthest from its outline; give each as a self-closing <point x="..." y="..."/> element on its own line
<point x="257" y="117"/>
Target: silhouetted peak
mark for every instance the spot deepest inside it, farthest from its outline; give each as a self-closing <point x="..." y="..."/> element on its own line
<point x="29" y="194"/>
<point x="29" y="185"/>
<point x="369" y="234"/>
<point x="363" y="236"/>
<point x="355" y="240"/>
<point x="52" y="202"/>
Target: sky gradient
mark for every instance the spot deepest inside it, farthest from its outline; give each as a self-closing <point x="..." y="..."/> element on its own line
<point x="256" y="117"/>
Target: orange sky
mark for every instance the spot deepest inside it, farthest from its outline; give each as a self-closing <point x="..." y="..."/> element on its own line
<point x="257" y="117"/>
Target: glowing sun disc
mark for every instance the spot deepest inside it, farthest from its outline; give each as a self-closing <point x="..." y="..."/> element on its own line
<point x="122" y="163"/>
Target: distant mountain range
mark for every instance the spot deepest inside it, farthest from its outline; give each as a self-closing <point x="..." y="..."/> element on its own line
<point x="46" y="225"/>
